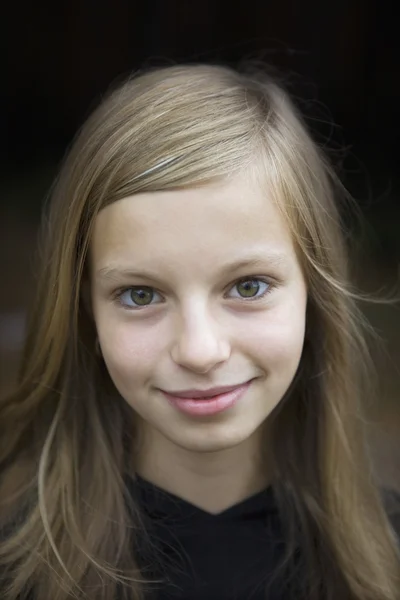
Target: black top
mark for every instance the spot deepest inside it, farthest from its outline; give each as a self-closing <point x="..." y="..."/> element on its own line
<point x="228" y="556"/>
<point x="201" y="556"/>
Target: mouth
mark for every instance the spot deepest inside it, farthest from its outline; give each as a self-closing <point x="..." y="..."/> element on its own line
<point x="205" y="394"/>
<point x="210" y="405"/>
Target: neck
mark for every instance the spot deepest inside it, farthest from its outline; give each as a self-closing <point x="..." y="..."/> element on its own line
<point x="212" y="481"/>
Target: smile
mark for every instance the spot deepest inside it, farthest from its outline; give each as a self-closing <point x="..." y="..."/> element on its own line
<point x="213" y="404"/>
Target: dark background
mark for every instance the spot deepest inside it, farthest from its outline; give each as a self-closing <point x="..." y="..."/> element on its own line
<point x="340" y="61"/>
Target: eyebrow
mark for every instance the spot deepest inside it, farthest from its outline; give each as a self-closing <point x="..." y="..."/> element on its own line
<point x="272" y="259"/>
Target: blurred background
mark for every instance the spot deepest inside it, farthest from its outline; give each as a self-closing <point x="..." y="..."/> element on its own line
<point x="341" y="62"/>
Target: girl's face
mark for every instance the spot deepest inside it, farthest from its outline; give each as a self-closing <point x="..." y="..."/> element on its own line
<point x="195" y="289"/>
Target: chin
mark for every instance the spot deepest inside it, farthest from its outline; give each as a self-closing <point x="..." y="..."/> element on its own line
<point x="211" y="441"/>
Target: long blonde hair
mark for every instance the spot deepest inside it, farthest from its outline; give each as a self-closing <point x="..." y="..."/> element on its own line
<point x="69" y="524"/>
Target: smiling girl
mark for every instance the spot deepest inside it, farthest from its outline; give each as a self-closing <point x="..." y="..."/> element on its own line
<point x="188" y="421"/>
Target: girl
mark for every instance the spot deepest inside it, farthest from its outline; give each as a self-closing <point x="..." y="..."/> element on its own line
<point x="188" y="418"/>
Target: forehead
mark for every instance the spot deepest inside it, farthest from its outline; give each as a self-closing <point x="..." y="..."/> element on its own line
<point x="209" y="223"/>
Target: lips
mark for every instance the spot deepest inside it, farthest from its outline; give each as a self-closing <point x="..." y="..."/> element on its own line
<point x="210" y="405"/>
<point x="201" y="394"/>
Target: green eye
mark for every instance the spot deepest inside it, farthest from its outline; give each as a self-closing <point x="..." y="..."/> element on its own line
<point x="132" y="297"/>
<point x="142" y="297"/>
<point x="248" y="288"/>
<point x="252" y="288"/>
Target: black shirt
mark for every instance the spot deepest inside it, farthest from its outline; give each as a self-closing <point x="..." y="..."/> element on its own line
<point x="228" y="556"/>
<point x="201" y="556"/>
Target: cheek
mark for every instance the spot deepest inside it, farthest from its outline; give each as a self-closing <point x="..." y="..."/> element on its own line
<point x="129" y="351"/>
<point x="278" y="340"/>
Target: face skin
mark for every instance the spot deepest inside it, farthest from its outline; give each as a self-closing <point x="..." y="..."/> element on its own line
<point x="199" y="329"/>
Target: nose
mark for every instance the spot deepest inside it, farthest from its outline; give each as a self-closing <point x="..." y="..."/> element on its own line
<point x="199" y="344"/>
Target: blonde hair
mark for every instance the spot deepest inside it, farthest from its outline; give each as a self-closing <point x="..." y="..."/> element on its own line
<point x="69" y="524"/>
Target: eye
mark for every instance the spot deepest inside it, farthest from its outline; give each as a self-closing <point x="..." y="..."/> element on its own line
<point x="135" y="297"/>
<point x="249" y="288"/>
<point x="252" y="288"/>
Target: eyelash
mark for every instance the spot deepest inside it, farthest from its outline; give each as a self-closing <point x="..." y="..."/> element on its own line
<point x="119" y="293"/>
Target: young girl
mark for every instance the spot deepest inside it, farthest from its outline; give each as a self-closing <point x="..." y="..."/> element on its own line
<point x="188" y="418"/>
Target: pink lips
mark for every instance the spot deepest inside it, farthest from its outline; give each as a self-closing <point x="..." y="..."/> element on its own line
<point x="204" y="393"/>
<point x="197" y="405"/>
